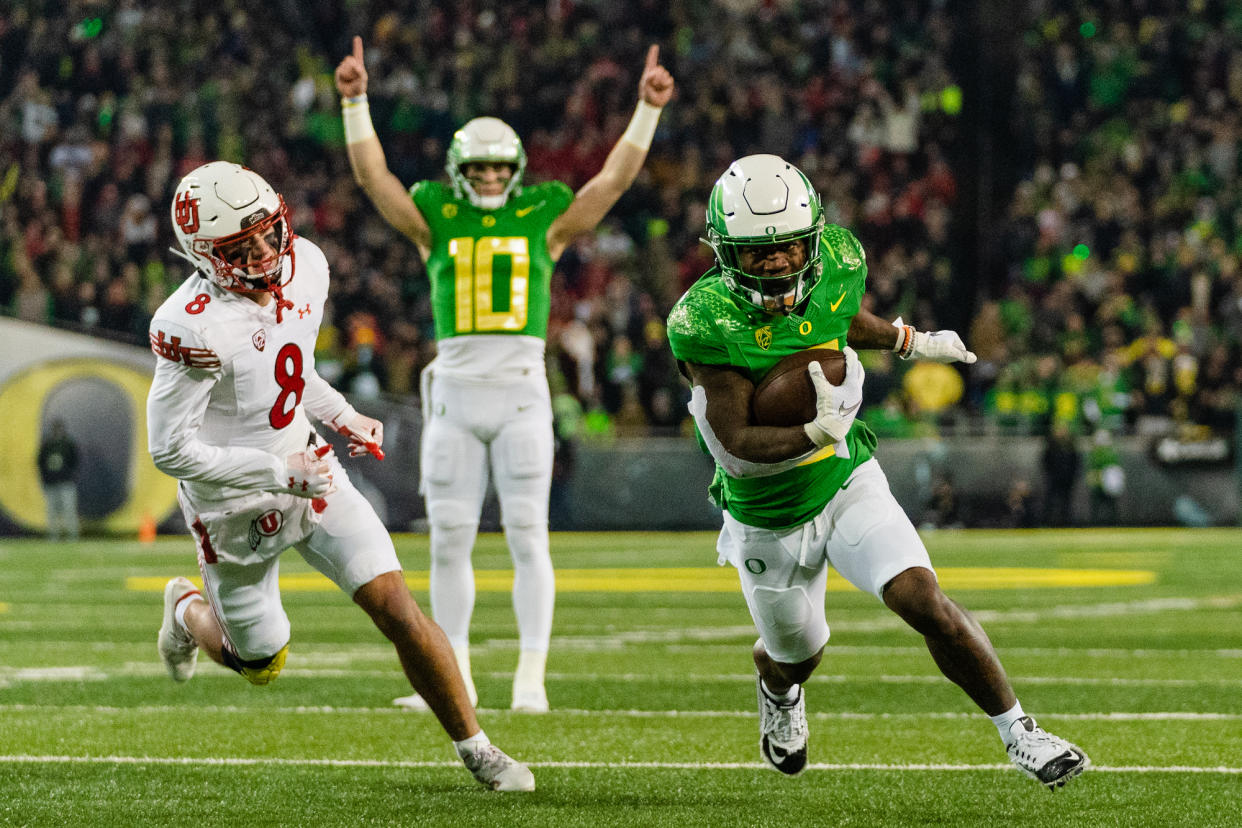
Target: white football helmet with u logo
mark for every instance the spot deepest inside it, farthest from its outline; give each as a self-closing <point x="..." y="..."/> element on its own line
<point x="489" y="140"/>
<point x="221" y="208"/>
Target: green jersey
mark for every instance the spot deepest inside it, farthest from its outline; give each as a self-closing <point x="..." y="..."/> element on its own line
<point x="709" y="326"/>
<point x="490" y="270"/>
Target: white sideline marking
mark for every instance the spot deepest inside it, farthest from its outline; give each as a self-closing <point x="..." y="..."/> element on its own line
<point x="1168" y="716"/>
<point x="232" y="761"/>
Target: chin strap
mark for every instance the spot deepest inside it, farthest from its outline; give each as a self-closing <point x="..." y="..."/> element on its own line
<point x="281" y="302"/>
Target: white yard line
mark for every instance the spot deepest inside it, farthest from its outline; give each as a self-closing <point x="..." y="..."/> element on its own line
<point x="10" y="675"/>
<point x="1174" y="715"/>
<point x="348" y="653"/>
<point x="386" y="763"/>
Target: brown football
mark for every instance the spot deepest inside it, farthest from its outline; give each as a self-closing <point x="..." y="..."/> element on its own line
<point x="786" y="396"/>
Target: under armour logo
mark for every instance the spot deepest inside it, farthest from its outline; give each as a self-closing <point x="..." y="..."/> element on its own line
<point x="304" y="311"/>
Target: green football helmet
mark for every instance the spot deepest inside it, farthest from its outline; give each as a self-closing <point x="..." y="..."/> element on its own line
<point x="489" y="140"/>
<point x="761" y="200"/>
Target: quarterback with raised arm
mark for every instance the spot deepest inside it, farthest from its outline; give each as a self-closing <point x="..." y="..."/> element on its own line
<point x="230" y="416"/>
<point x="490" y="243"/>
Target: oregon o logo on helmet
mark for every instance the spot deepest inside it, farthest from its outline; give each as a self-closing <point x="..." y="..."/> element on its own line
<point x="770" y="230"/>
<point x="756" y="566"/>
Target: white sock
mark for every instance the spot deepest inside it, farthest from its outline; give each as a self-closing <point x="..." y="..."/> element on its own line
<point x="530" y="669"/>
<point x="182" y="606"/>
<point x="1005" y="721"/>
<point x="472" y="745"/>
<point x="462" y="654"/>
<point x="463" y="663"/>
<point x="534" y="584"/>
<point x="452" y="588"/>
<point x="790" y="695"/>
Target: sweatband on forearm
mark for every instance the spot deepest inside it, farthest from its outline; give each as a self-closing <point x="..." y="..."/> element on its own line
<point x="642" y="126"/>
<point x="356" y="113"/>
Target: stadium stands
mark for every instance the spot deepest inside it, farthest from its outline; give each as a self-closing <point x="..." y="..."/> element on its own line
<point x="1121" y="306"/>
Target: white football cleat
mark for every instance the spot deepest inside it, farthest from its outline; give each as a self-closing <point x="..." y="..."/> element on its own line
<point x="782" y="731"/>
<point x="177" y="649"/>
<point x="498" y="771"/>
<point x="418" y="703"/>
<point x="412" y="702"/>
<point x="529" y="699"/>
<point x="1045" y="758"/>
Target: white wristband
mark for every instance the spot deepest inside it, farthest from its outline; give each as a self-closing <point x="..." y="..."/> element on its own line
<point x="642" y="126"/>
<point x="357" y="117"/>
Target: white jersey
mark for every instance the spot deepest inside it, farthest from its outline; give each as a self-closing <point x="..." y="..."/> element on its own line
<point x="233" y="387"/>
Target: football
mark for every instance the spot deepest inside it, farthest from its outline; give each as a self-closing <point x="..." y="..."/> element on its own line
<point x="786" y="396"/>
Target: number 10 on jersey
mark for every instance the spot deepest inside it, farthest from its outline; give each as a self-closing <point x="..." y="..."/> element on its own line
<point x="478" y="289"/>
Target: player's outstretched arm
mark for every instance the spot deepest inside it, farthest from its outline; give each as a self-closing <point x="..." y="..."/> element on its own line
<point x="366" y="155"/>
<point x="595" y="199"/>
<point x="870" y="332"/>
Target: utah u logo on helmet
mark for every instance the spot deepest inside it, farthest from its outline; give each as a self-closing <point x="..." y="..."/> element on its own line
<point x="186" y="213"/>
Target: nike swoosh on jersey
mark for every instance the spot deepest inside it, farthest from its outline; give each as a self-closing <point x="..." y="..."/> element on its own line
<point x="522" y="212"/>
<point x="833" y="306"/>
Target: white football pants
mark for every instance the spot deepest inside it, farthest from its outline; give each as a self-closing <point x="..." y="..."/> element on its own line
<point x="862" y="533"/>
<point x="471" y="429"/>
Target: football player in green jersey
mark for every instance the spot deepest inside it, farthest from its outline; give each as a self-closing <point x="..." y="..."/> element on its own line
<point x="797" y="500"/>
<point x="490" y="244"/>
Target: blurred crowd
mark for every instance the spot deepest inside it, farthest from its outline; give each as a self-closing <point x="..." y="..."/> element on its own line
<point x="1125" y="297"/>
<point x="108" y="104"/>
<point x="1122" y="306"/>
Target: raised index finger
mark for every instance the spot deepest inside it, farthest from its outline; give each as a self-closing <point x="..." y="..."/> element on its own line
<point x="358" y="48"/>
<point x="653" y="56"/>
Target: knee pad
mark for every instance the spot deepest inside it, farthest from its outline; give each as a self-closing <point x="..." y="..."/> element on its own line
<point x="523" y="512"/>
<point x="792" y="628"/>
<point x="451" y="514"/>
<point x="259" y="671"/>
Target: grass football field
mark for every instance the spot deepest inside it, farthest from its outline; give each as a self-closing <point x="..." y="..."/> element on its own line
<point x="1126" y="642"/>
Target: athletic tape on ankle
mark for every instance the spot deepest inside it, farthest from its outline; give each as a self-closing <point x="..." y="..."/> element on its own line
<point x="183" y="603"/>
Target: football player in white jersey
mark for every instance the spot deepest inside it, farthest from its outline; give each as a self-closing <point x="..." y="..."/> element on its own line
<point x="229" y="415"/>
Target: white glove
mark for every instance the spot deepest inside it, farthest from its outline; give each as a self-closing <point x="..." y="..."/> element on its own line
<point x="365" y="434"/>
<point x="309" y="473"/>
<point x="836" y="406"/>
<point x="941" y="346"/>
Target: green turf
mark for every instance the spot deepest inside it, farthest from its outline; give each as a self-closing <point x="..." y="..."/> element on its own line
<point x="654" y="720"/>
